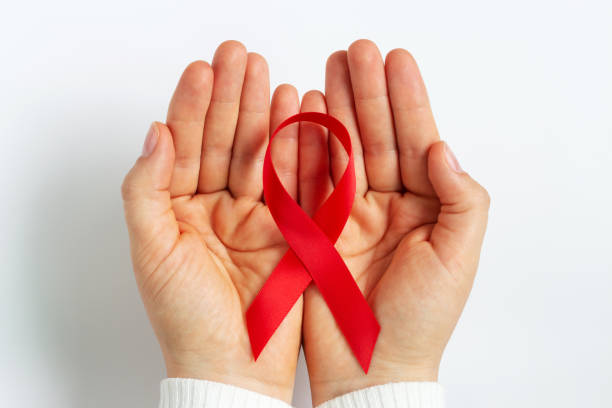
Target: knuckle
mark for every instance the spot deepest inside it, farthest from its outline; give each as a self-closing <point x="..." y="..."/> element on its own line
<point x="127" y="187"/>
<point x="476" y="197"/>
<point x="483" y="197"/>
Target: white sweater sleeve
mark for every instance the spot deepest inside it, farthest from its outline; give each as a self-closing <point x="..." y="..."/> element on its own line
<point x="191" y="393"/>
<point x="392" y="395"/>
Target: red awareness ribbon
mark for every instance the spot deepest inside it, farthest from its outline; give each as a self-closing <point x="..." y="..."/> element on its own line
<point x="312" y="256"/>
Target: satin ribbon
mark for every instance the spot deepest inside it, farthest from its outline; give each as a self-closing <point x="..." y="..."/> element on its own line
<point x="312" y="256"/>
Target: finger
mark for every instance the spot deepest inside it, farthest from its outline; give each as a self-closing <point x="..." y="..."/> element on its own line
<point x="251" y="131"/>
<point x="146" y="197"/>
<point x="459" y="231"/>
<point x="367" y="72"/>
<point x="340" y="104"/>
<point x="284" y="150"/>
<point x="315" y="182"/>
<point x="415" y="127"/>
<point x="229" y="66"/>
<point x="185" y="120"/>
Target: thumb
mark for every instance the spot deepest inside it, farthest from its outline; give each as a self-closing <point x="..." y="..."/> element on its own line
<point x="459" y="231"/>
<point x="146" y="200"/>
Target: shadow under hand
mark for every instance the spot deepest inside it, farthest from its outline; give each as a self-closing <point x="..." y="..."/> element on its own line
<point x="91" y="324"/>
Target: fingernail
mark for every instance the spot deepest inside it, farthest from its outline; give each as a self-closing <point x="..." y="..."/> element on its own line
<point x="452" y="160"/>
<point x="151" y="141"/>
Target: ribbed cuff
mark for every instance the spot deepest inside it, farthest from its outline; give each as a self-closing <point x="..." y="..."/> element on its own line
<point x="392" y="395"/>
<point x="192" y="393"/>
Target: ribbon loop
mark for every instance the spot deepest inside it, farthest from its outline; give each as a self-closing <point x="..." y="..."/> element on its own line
<point x="312" y="256"/>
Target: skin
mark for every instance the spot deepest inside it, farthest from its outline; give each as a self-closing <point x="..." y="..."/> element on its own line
<point x="203" y="242"/>
<point x="413" y="239"/>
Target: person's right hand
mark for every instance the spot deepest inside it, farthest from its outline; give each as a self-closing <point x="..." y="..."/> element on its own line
<point x="412" y="241"/>
<point x="202" y="240"/>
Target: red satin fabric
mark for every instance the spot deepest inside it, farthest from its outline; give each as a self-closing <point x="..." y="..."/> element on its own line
<point x="312" y="256"/>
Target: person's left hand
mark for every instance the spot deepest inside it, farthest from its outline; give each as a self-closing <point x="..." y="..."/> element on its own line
<point x="413" y="238"/>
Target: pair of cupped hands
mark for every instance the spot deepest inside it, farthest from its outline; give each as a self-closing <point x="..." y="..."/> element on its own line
<point x="203" y="242"/>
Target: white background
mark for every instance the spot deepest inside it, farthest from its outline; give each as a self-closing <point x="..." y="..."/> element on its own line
<point x="521" y="90"/>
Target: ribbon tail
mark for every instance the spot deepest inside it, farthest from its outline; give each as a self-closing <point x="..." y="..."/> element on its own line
<point x="275" y="299"/>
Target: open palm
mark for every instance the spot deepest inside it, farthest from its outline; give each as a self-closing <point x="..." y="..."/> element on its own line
<point x="414" y="234"/>
<point x="203" y="242"/>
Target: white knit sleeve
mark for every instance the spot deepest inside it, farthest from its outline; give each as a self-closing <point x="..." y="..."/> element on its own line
<point x="191" y="393"/>
<point x="392" y="395"/>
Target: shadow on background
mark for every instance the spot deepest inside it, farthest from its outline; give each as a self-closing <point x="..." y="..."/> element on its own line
<point x="90" y="325"/>
<point x="91" y="322"/>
